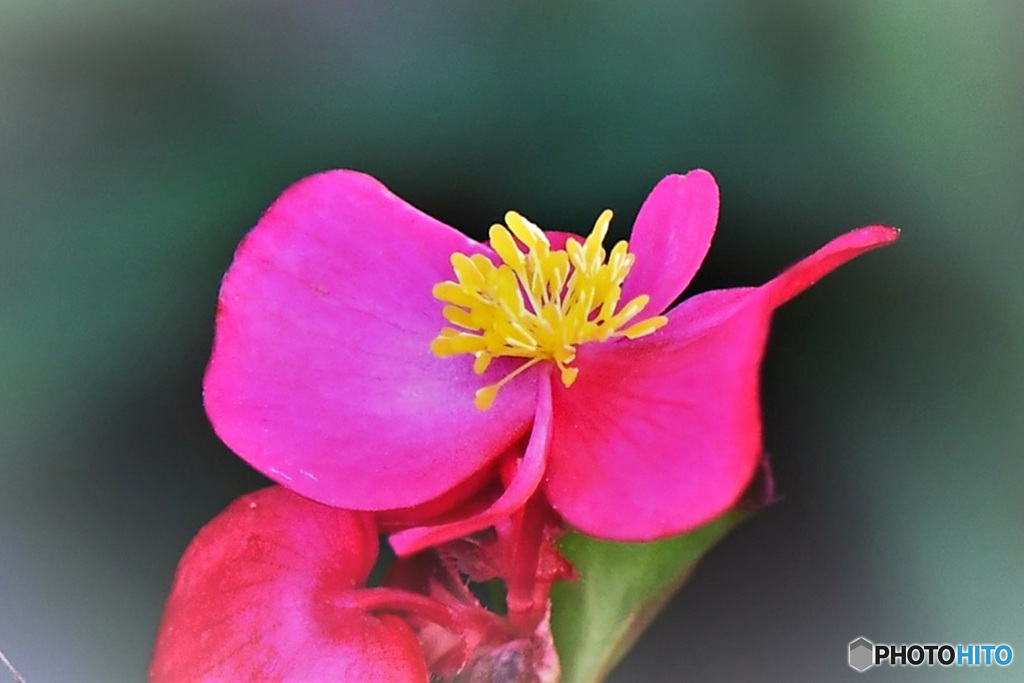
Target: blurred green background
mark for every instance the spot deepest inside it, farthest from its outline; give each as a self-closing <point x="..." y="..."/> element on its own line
<point x="140" y="141"/>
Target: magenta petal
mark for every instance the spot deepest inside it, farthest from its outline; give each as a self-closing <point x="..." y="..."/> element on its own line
<point x="670" y="238"/>
<point x="802" y="275"/>
<point x="261" y="595"/>
<point x="322" y="375"/>
<point x="524" y="483"/>
<point x="662" y="434"/>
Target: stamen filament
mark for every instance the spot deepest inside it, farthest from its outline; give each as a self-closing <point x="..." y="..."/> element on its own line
<point x="484" y="398"/>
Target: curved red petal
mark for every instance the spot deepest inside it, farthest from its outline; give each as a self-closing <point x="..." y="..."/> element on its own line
<point x="321" y="374"/>
<point x="670" y="238"/>
<point x="259" y="595"/>
<point x="662" y="434"/>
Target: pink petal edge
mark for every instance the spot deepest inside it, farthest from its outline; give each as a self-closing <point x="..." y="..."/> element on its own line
<point x="808" y="271"/>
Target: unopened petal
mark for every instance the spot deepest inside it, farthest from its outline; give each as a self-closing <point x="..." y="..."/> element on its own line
<point x="260" y="595"/>
<point x="322" y="375"/>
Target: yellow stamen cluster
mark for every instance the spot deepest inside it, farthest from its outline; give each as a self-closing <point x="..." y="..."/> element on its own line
<point x="538" y="304"/>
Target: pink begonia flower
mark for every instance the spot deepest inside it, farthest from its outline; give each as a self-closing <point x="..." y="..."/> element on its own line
<point x="266" y="592"/>
<point x="331" y="374"/>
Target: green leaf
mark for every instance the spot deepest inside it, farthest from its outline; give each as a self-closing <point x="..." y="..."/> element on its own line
<point x="621" y="587"/>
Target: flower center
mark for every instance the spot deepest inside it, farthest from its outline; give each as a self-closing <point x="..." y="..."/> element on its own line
<point x="538" y="304"/>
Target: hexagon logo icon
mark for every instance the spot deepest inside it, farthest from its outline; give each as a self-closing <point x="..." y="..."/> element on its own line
<point x="862" y="654"/>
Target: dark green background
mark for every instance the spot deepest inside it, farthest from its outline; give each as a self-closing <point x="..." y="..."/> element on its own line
<point x="140" y="141"/>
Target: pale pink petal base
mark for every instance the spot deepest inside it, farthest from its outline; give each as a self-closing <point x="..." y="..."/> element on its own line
<point x="261" y="594"/>
<point x="662" y="434"/>
<point x="322" y="375"/>
<point x="523" y="484"/>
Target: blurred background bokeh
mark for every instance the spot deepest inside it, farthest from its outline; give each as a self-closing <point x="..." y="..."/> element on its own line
<point x="140" y="141"/>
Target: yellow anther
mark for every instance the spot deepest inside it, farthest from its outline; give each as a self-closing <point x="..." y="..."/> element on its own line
<point x="538" y="304"/>
<point x="484" y="398"/>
